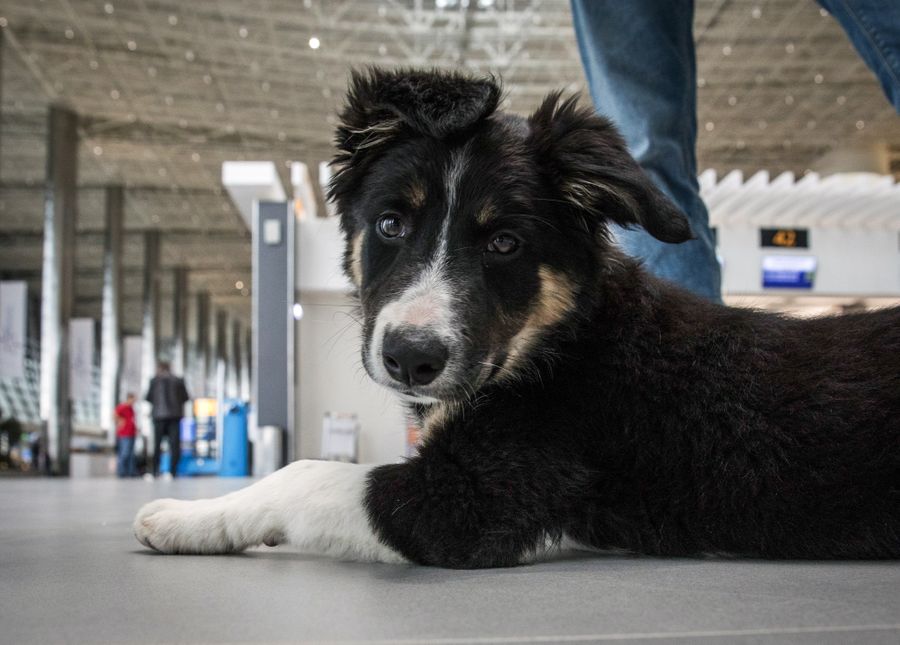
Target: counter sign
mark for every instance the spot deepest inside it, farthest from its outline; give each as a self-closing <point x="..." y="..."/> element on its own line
<point x="784" y="238"/>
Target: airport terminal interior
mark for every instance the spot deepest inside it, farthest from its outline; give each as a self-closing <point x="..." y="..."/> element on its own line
<point x="164" y="167"/>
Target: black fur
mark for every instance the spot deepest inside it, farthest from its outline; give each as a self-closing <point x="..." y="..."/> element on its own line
<point x="644" y="419"/>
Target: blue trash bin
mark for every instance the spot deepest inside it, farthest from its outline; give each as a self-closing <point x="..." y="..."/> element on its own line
<point x="235" y="443"/>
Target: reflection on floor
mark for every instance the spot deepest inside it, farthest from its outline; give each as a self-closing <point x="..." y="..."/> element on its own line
<point x="70" y="571"/>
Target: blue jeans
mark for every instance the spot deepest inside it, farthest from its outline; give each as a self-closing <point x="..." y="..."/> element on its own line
<point x="640" y="65"/>
<point x="125" y="466"/>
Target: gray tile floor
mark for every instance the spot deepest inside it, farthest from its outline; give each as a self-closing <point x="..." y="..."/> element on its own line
<point x="70" y="571"/>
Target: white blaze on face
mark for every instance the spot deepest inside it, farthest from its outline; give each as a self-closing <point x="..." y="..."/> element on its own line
<point x="428" y="304"/>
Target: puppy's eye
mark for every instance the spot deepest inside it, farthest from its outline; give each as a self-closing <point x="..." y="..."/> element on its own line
<point x="503" y="244"/>
<point x="390" y="226"/>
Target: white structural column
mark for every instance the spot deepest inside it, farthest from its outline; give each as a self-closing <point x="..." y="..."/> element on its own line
<point x="60" y="214"/>
<point x="111" y="331"/>
<point x="179" y="321"/>
<point x="149" y="319"/>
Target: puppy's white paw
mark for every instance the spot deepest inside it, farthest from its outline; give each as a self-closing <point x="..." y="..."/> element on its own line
<point x="178" y="526"/>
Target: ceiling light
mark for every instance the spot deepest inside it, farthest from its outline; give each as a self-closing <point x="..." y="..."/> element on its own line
<point x="239" y="285"/>
<point x="297" y="310"/>
<point x="242" y="32"/>
<point x="173" y="20"/>
<point x="114" y="94"/>
<point x="131" y="45"/>
<point x="756" y="13"/>
<point x="108" y="8"/>
<point x="70" y="34"/>
<point x="98" y="150"/>
<point x="818" y="78"/>
<point x="860" y="125"/>
<point x="314" y="43"/>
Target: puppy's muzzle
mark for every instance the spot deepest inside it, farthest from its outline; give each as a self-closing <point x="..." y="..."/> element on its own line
<point x="413" y="357"/>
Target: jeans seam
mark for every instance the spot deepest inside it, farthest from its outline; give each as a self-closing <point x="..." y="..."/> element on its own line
<point x="870" y="34"/>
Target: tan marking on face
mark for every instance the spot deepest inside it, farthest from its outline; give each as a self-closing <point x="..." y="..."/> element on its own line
<point x="555" y="299"/>
<point x="356" y="258"/>
<point x="486" y="213"/>
<point x="416" y="195"/>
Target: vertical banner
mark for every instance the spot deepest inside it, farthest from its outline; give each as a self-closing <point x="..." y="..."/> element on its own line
<point x="130" y="380"/>
<point x="81" y="358"/>
<point x="13" y="321"/>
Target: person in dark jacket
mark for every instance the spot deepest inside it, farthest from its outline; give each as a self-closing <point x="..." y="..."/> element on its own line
<point x="167" y="394"/>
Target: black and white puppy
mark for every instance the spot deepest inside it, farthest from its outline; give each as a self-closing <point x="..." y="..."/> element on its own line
<point x="564" y="392"/>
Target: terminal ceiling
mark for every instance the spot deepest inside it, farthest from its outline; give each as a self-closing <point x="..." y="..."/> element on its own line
<point x="167" y="90"/>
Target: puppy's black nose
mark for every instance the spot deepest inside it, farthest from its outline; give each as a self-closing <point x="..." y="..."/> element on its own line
<point x="413" y="358"/>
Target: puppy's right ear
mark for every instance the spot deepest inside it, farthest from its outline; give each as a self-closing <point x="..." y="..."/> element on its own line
<point x="384" y="105"/>
<point x="433" y="103"/>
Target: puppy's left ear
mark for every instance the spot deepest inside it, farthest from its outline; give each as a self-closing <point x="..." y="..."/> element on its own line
<point x="587" y="159"/>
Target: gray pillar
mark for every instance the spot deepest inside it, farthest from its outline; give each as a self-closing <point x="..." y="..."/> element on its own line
<point x="221" y="347"/>
<point x="149" y="318"/>
<point x="235" y="374"/>
<point x="60" y="214"/>
<point x="246" y="344"/>
<point x="111" y="330"/>
<point x="220" y="342"/>
<point x="179" y="321"/>
<point x="202" y="347"/>
<point x="273" y="322"/>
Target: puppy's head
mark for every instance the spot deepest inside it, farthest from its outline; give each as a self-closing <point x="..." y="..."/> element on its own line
<point x="472" y="233"/>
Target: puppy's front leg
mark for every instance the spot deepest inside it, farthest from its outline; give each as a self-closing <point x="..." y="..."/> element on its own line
<point x="317" y="506"/>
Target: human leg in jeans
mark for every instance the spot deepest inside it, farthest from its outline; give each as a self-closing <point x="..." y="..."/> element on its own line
<point x="159" y="431"/>
<point x="173" y="431"/>
<point x="639" y="60"/>
<point x="125" y="454"/>
<point x="874" y="29"/>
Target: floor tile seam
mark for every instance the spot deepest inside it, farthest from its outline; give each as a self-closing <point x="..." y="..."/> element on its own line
<point x="662" y="636"/>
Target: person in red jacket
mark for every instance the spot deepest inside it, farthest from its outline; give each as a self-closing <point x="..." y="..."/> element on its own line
<point x="125" y="434"/>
